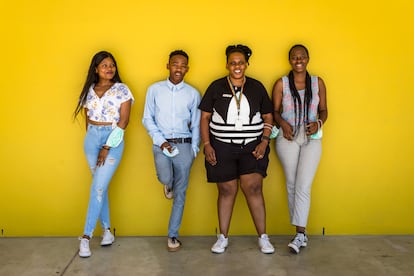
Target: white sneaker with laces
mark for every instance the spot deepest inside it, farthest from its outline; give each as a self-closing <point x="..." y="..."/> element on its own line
<point x="300" y="240"/>
<point x="220" y="245"/>
<point x="173" y="244"/>
<point x="265" y="246"/>
<point x="84" y="250"/>
<point x="107" y="238"/>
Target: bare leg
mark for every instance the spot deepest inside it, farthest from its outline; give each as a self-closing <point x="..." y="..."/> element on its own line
<point x="251" y="185"/>
<point x="300" y="229"/>
<point x="225" y="203"/>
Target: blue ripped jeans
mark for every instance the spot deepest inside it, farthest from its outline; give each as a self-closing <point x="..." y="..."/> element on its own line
<point x="101" y="176"/>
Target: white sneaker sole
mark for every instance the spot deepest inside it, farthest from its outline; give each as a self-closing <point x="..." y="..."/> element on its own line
<point x="106" y="243"/>
<point x="173" y="249"/>
<point x="296" y="249"/>
<point x="218" y="251"/>
<point x="268" y="251"/>
<point x="85" y="255"/>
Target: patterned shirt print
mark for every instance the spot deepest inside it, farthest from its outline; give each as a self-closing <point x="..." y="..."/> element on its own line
<point x="107" y="108"/>
<point x="288" y="112"/>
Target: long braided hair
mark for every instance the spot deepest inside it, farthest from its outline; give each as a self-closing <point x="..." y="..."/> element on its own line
<point x="296" y="97"/>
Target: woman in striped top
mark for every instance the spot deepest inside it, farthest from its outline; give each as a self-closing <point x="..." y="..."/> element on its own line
<point x="236" y="120"/>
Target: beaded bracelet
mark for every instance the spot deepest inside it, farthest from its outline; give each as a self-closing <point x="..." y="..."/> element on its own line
<point x="106" y="147"/>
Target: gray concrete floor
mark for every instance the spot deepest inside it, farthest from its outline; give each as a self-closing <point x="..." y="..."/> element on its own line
<point x="325" y="255"/>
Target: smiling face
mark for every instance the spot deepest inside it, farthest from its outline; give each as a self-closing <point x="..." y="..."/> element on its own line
<point x="298" y="59"/>
<point x="106" y="69"/>
<point x="178" y="66"/>
<point x="236" y="65"/>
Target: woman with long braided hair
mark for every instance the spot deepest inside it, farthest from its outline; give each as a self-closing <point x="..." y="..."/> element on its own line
<point x="300" y="110"/>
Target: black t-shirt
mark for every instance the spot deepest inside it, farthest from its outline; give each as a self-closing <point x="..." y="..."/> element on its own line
<point x="220" y="101"/>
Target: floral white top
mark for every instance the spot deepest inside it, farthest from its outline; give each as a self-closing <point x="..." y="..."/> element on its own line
<point x="107" y="108"/>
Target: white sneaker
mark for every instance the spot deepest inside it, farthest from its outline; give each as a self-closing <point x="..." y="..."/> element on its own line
<point x="220" y="245"/>
<point x="173" y="244"/>
<point x="265" y="245"/>
<point x="107" y="238"/>
<point x="300" y="240"/>
<point x="84" y="250"/>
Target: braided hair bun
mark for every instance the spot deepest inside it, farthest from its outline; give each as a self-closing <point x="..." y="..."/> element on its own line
<point x="239" y="48"/>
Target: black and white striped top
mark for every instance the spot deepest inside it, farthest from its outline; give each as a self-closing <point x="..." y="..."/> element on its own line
<point x="220" y="101"/>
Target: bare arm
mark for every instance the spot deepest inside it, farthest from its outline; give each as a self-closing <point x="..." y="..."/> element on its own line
<point x="125" y="111"/>
<point x="260" y="149"/>
<point x="209" y="151"/>
<point x="323" y="106"/>
<point x="313" y="127"/>
<point x="86" y="118"/>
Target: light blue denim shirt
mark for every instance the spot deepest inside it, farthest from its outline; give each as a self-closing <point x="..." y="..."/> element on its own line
<point x="171" y="111"/>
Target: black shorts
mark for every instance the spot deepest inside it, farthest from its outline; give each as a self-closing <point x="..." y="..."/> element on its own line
<point x="234" y="160"/>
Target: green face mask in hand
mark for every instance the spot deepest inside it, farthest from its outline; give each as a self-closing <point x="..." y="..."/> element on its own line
<point x="115" y="138"/>
<point x="317" y="135"/>
<point x="275" y="132"/>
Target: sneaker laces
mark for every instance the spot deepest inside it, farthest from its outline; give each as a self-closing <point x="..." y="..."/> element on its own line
<point x="84" y="242"/>
<point x="174" y="240"/>
<point x="298" y="239"/>
<point x="220" y="241"/>
<point x="107" y="233"/>
<point x="265" y="242"/>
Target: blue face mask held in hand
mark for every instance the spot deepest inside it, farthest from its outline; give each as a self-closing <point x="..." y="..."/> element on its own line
<point x="173" y="153"/>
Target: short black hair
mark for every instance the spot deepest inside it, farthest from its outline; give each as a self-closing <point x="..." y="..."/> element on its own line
<point x="239" y="48"/>
<point x="298" y="46"/>
<point x="178" y="52"/>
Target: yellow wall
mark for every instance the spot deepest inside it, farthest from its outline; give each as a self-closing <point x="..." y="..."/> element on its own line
<point x="362" y="49"/>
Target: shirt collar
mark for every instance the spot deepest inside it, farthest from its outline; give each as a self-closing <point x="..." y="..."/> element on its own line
<point x="175" y="87"/>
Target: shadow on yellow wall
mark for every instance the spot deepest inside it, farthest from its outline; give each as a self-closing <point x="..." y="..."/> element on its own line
<point x="364" y="184"/>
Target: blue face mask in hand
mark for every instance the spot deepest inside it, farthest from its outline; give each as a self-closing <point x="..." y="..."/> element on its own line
<point x="173" y="153"/>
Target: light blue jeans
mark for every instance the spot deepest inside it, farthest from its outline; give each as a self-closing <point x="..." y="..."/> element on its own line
<point x="174" y="172"/>
<point x="300" y="159"/>
<point x="101" y="176"/>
